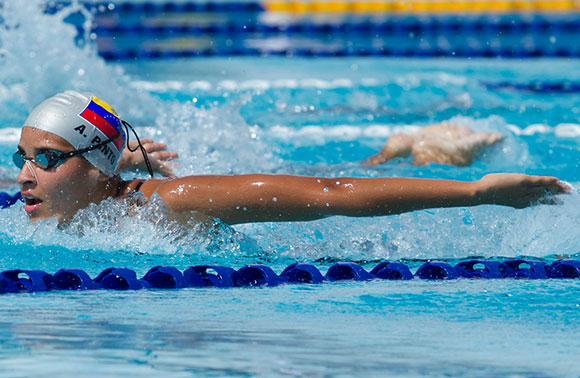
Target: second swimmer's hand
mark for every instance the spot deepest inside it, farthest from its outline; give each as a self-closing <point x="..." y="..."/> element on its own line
<point x="157" y="154"/>
<point x="518" y="190"/>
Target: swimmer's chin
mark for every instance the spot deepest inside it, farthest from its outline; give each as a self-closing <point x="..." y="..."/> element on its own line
<point x="61" y="219"/>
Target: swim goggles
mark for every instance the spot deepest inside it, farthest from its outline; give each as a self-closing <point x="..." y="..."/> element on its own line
<point x="47" y="159"/>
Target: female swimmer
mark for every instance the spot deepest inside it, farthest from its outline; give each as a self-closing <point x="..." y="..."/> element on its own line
<point x="71" y="144"/>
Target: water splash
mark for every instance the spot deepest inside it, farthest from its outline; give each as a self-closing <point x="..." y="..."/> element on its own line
<point x="273" y="125"/>
<point x="41" y="56"/>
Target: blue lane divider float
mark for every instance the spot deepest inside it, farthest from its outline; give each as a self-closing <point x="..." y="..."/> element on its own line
<point x="524" y="269"/>
<point x="12" y="281"/>
<point x="169" y="277"/>
<point x="209" y="276"/>
<point x="437" y="271"/>
<point x="302" y="273"/>
<point x="73" y="279"/>
<point x="479" y="269"/>
<point x="564" y="269"/>
<point x="121" y="279"/>
<point x="347" y="271"/>
<point x="392" y="271"/>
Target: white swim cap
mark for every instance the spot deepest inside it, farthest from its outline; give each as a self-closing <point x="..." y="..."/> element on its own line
<point x="84" y="121"/>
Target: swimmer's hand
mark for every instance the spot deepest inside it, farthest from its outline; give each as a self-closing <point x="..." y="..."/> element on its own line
<point x="519" y="190"/>
<point x="157" y="154"/>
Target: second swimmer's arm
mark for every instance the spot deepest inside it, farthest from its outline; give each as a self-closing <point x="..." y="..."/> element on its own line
<point x="272" y="198"/>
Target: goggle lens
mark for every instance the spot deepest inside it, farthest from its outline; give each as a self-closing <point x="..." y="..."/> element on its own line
<point x="18" y="159"/>
<point x="43" y="160"/>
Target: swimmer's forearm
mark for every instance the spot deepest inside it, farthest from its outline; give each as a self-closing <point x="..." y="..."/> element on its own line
<point x="264" y="198"/>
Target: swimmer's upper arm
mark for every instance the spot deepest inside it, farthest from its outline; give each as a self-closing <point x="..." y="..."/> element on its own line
<point x="244" y="198"/>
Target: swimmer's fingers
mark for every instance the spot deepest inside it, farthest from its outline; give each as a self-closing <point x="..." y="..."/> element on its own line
<point x="162" y="165"/>
<point x="166" y="169"/>
<point x="158" y="151"/>
<point x="518" y="190"/>
<point x="164" y="155"/>
<point x="550" y="184"/>
<point x="547" y="194"/>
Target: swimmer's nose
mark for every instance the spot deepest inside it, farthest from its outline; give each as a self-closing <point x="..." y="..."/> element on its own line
<point x="27" y="175"/>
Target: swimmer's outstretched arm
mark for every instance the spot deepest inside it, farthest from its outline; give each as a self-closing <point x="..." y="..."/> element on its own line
<point x="273" y="198"/>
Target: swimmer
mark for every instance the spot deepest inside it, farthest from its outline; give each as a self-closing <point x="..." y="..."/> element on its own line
<point x="71" y="144"/>
<point x="443" y="143"/>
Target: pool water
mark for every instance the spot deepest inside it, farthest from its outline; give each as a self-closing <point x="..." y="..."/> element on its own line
<point x="308" y="117"/>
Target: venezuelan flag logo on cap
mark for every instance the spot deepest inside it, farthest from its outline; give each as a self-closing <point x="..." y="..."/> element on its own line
<point x="103" y="117"/>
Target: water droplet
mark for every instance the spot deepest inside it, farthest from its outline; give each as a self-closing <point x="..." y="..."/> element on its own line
<point x="275" y="199"/>
<point x="211" y="200"/>
<point x="245" y="208"/>
<point x="237" y="208"/>
<point x="325" y="190"/>
<point x="327" y="204"/>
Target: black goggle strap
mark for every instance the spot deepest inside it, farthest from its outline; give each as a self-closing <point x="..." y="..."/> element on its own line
<point x="67" y="155"/>
<point x="139" y="145"/>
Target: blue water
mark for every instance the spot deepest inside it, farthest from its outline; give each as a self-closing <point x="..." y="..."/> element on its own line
<point x="309" y="117"/>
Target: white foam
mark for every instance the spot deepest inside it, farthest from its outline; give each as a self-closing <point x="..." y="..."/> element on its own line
<point x="562" y="130"/>
<point x="320" y="134"/>
<point x="42" y="57"/>
<point x="200" y="84"/>
<point x="10" y="135"/>
<point x="567" y="130"/>
<point x="257" y="84"/>
<point x="159" y="86"/>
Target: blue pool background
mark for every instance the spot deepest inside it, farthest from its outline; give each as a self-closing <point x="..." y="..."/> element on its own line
<point x="309" y="117"/>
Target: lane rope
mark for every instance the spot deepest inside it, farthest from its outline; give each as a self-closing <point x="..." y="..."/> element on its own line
<point x="169" y="277"/>
<point x="418" y="28"/>
<point x="337" y="6"/>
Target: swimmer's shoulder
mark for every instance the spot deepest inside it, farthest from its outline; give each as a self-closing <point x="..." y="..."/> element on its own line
<point x="145" y="186"/>
<point x="162" y="186"/>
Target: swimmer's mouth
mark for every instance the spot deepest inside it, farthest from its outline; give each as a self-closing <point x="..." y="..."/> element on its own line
<point x="30" y="203"/>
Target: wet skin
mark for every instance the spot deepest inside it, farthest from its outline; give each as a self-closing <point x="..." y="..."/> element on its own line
<point x="62" y="191"/>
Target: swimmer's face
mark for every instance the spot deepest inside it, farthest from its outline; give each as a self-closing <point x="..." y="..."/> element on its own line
<point x="55" y="192"/>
